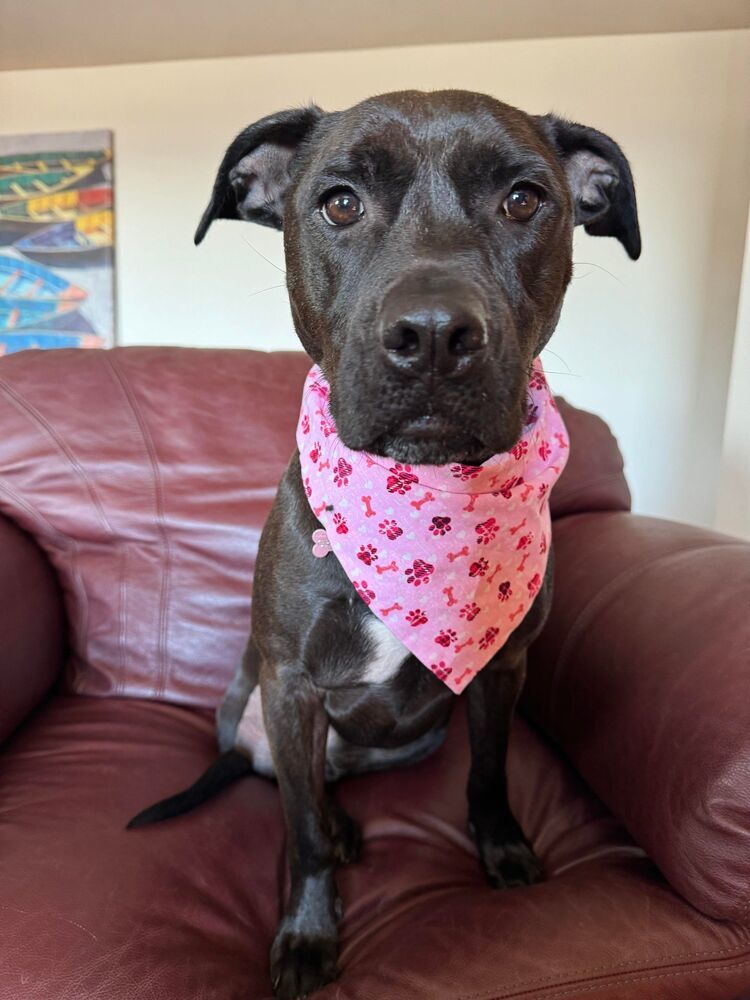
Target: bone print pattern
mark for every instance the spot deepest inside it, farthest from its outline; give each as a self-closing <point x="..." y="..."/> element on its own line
<point x="450" y="558"/>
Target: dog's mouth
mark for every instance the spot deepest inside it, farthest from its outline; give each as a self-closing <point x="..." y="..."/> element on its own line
<point x="431" y="439"/>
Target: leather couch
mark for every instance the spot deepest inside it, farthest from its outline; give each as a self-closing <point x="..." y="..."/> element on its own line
<point x="133" y="488"/>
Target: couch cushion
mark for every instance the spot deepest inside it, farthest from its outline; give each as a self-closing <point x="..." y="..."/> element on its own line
<point x="89" y="911"/>
<point x="32" y="637"/>
<point x="147" y="474"/>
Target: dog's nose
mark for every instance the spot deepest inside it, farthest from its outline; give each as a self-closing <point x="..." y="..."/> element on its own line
<point x="444" y="339"/>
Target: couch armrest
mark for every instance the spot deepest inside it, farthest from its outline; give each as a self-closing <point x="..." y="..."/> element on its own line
<point x="642" y="675"/>
<point x="32" y="626"/>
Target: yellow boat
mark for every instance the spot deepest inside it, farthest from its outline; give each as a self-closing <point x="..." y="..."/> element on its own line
<point x="23" y="163"/>
<point x="15" y="187"/>
<point x="22" y="217"/>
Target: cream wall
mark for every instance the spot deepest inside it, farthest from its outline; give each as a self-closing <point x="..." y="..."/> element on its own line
<point x="647" y="345"/>
<point x="734" y="486"/>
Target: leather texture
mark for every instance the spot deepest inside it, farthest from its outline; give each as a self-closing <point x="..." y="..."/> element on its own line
<point x="145" y="475"/>
<point x="32" y="627"/>
<point x="642" y="676"/>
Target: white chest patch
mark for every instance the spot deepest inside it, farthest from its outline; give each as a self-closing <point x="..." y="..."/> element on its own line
<point x="388" y="653"/>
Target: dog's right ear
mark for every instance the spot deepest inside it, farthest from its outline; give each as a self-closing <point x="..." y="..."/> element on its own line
<point x="255" y="173"/>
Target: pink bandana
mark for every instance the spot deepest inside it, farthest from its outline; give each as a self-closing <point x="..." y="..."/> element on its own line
<point x="449" y="557"/>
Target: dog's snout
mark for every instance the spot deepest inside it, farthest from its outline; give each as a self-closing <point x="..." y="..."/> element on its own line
<point x="443" y="337"/>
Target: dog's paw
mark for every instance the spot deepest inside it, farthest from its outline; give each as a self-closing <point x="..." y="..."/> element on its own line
<point x="346" y="835"/>
<point x="300" y="964"/>
<point x="510" y="863"/>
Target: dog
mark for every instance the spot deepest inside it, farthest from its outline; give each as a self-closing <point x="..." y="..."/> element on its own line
<point x="428" y="244"/>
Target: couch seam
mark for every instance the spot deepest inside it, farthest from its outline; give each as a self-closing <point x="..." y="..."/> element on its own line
<point x="660" y="960"/>
<point x="601" y="985"/>
<point x="35" y="416"/>
<point x="150" y="450"/>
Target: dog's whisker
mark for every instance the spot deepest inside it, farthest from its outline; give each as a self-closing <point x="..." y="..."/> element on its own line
<point x="266" y="259"/>
<point x="589" y="263"/>
<point x="559" y="357"/>
<point x="269" y="289"/>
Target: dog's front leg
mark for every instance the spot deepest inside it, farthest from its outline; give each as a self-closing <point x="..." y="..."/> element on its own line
<point x="303" y="956"/>
<point x="506" y="854"/>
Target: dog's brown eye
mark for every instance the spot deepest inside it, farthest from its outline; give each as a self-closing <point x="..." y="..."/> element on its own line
<point x="342" y="208"/>
<point x="522" y="203"/>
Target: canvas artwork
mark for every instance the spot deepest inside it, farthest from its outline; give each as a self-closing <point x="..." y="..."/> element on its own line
<point x="56" y="241"/>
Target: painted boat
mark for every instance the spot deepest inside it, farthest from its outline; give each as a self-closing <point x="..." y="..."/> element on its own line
<point x="78" y="243"/>
<point x="44" y="340"/>
<point x="21" y="217"/>
<point x="15" y="187"/>
<point x="22" y="163"/>
<point x="30" y="294"/>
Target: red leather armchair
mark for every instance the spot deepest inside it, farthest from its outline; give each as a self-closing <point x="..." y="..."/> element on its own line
<point x="133" y="488"/>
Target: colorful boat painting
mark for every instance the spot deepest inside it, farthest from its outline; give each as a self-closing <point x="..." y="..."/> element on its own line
<point x="15" y="187"/>
<point x="71" y="244"/>
<point x="22" y="217"/>
<point x="30" y="294"/>
<point x="45" y="340"/>
<point x="57" y="225"/>
<point x="23" y="163"/>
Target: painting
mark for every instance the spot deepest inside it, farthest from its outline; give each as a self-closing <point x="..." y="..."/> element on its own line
<point x="57" y="285"/>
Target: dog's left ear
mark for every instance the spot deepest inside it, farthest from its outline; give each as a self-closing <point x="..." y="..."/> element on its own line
<point x="600" y="181"/>
<point x="255" y="173"/>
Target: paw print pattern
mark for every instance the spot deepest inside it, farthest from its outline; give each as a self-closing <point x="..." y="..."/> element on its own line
<point x="446" y="637"/>
<point x="537" y="380"/>
<point x="440" y="526"/>
<point x="470" y="611"/>
<point x="489" y="637"/>
<point x="525" y="541"/>
<point x="305" y="424"/>
<point x="465" y="472"/>
<point x="368" y="554"/>
<point x="416" y="618"/>
<point x="504" y="590"/>
<point x="419" y="572"/>
<point x="487" y="531"/>
<point x="367" y="595"/>
<point x="342" y="528"/>
<point x="390" y="529"/>
<point x="441" y="670"/>
<point x="534" y="584"/>
<point x="401" y="479"/>
<point x="544" y="450"/>
<point x="519" y="449"/>
<point x="479" y="568"/>
<point x="341" y="473"/>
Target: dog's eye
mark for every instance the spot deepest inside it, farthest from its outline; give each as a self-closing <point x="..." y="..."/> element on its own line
<point x="522" y="203"/>
<point x="342" y="208"/>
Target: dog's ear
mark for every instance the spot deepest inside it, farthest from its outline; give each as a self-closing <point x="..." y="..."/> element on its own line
<point x="600" y="181"/>
<point x="255" y="172"/>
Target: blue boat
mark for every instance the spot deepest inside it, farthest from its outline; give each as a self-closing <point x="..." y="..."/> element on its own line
<point x="78" y="243"/>
<point x="43" y="339"/>
<point x="30" y="294"/>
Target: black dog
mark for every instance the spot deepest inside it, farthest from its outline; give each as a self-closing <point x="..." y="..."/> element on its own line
<point x="428" y="242"/>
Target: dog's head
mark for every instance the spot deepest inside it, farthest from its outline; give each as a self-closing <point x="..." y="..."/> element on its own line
<point x="428" y="242"/>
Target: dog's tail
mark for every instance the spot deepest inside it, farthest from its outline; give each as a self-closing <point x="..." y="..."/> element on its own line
<point x="230" y="766"/>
